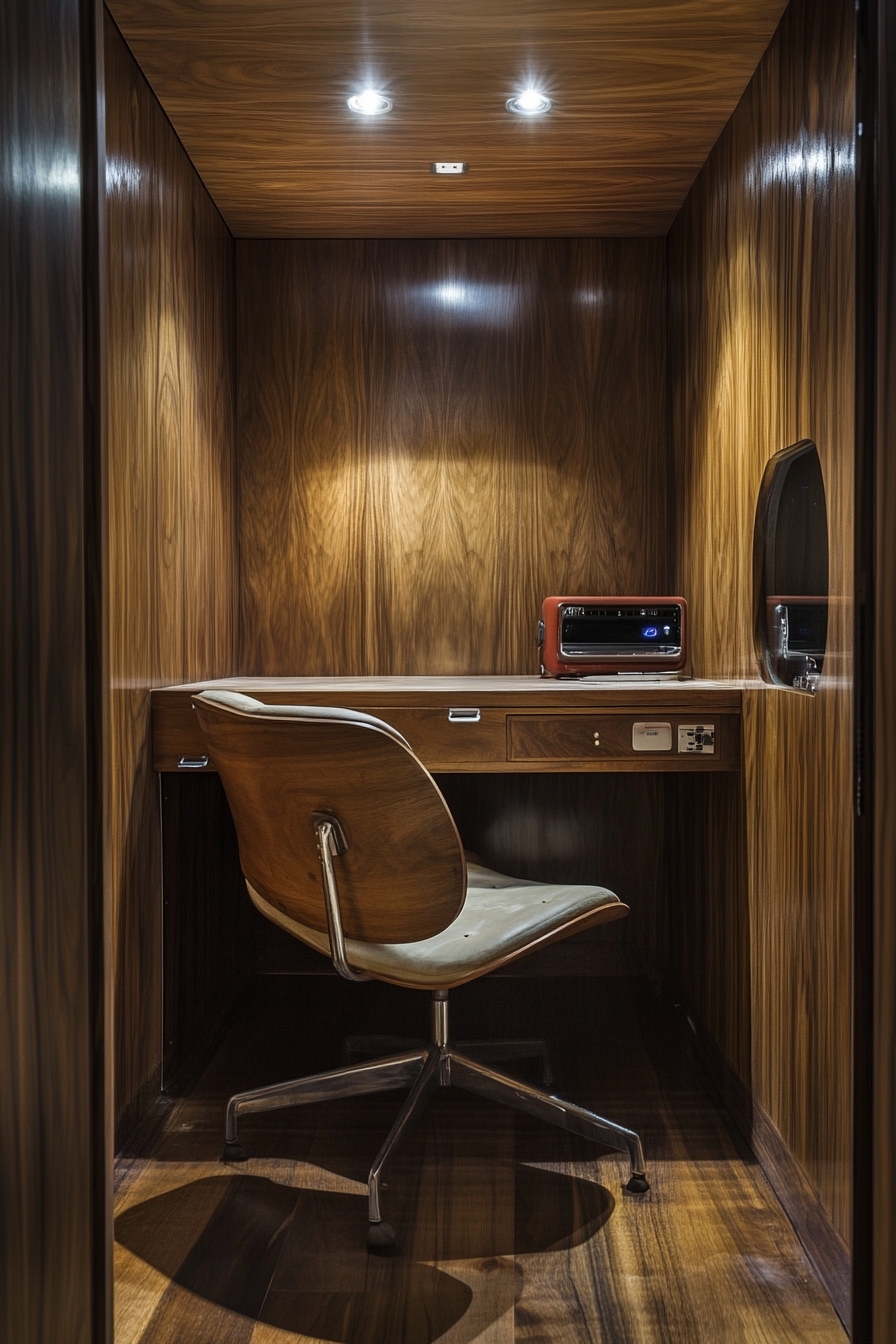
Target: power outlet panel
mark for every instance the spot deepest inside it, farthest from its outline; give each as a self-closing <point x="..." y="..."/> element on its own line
<point x="697" y="737"/>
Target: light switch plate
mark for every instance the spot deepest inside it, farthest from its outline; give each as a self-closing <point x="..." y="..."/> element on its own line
<point x="697" y="737"/>
<point x="651" y="737"/>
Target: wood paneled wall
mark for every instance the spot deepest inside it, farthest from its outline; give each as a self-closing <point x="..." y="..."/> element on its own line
<point x="55" y="1207"/>
<point x="761" y="352"/>
<point x="434" y="436"/>
<point x="883" y="1232"/>
<point x="171" y="505"/>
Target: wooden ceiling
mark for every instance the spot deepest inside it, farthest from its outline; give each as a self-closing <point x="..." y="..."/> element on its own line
<point x="257" y="91"/>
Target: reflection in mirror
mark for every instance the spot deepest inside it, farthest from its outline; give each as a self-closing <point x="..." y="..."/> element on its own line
<point x="790" y="569"/>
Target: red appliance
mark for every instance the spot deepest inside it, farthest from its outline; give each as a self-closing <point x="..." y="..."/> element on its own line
<point x="584" y="636"/>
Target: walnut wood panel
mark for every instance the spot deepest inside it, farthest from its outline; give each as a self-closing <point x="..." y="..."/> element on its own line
<point x="762" y="341"/>
<point x="597" y="737"/>
<point x="883" y="1157"/>
<point x="561" y="736"/>
<point x="257" y="93"/>
<point x="434" y="737"/>
<point x="172" y="539"/>
<point x="400" y="836"/>
<point x="433" y="437"/>
<point x="55" y="1229"/>
<point x="826" y="1249"/>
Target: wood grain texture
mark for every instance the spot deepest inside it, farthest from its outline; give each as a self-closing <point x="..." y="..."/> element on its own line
<point x="508" y="1230"/>
<point x="884" y="785"/>
<point x="827" y="1250"/>
<point x="597" y="737"/>
<point x="422" y="717"/>
<point x="762" y="323"/>
<point x="434" y="436"/>
<point x="257" y="93"/>
<point x="172" y="540"/>
<point x="55" y="1238"/>
<point x="400" y="837"/>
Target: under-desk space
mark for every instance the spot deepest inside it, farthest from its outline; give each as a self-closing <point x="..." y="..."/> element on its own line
<point x="638" y="822"/>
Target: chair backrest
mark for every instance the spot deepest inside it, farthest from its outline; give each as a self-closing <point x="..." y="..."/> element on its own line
<point x="403" y="877"/>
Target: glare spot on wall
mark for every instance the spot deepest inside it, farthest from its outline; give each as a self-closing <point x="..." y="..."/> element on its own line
<point x="793" y="163"/>
<point x="122" y="175"/>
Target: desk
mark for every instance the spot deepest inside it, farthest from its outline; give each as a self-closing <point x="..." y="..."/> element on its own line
<point x="512" y="724"/>
<point x="530" y="782"/>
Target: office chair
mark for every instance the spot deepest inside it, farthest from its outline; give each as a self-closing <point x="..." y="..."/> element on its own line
<point x="346" y="843"/>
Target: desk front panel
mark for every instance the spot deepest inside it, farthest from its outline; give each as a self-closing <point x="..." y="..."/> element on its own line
<point x="542" y="726"/>
<point x="608" y="737"/>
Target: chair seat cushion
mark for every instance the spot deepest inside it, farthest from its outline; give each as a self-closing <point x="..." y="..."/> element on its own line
<point x="502" y="917"/>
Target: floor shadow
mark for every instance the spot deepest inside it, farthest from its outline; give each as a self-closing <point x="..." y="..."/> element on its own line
<point x="554" y="1212"/>
<point x="292" y="1258"/>
<point x="297" y="1259"/>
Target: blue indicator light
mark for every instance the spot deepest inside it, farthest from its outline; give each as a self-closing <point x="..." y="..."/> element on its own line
<point x="649" y="632"/>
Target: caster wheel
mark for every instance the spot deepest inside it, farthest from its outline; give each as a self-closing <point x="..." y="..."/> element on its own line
<point x="381" y="1238"/>
<point x="638" y="1185"/>
<point x="233" y="1152"/>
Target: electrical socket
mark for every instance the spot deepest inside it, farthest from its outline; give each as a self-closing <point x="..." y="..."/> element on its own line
<point x="448" y="169"/>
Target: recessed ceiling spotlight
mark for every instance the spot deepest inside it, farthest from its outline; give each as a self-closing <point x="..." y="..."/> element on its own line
<point x="370" y="103"/>
<point x="530" y="103"/>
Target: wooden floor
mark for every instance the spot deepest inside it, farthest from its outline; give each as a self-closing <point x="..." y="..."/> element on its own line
<point x="508" y="1230"/>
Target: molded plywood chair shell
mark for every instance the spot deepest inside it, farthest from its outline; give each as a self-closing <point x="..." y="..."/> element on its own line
<point x="279" y="768"/>
<point x="308" y="785"/>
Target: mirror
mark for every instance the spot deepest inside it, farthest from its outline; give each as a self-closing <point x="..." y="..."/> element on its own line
<point x="790" y="569"/>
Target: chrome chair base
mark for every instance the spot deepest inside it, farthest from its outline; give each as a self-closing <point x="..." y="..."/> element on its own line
<point x="487" y="1052"/>
<point x="424" y="1069"/>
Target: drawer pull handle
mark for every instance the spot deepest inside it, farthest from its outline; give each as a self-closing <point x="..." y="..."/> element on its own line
<point x="464" y="716"/>
<point x="192" y="763"/>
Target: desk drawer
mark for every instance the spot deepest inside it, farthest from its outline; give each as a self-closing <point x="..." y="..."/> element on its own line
<point x="441" y="741"/>
<point x="562" y="737"/>
<point x="608" y="737"/>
